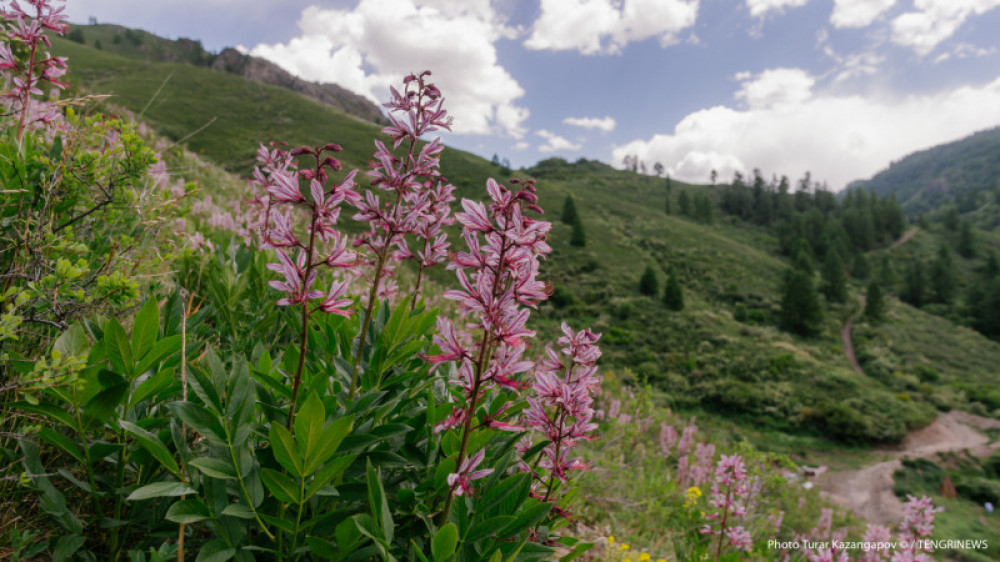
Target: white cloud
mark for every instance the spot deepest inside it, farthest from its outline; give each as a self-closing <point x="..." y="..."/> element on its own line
<point x="858" y="13"/>
<point x="759" y="8"/>
<point x="964" y="51"/>
<point x="522" y="145"/>
<point x="933" y="21"/>
<point x="605" y="124"/>
<point x="838" y="138"/>
<point x="374" y="45"/>
<point x="555" y="142"/>
<point x="606" y="26"/>
<point x="776" y="86"/>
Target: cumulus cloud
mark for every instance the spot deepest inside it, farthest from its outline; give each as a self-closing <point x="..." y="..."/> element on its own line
<point x="605" y="124"/>
<point x="555" y="142"/>
<point x="858" y="13"/>
<point x="606" y="26"/>
<point x="838" y="138"/>
<point x="375" y="44"/>
<point x="759" y="8"/>
<point x="933" y="21"/>
<point x="776" y="86"/>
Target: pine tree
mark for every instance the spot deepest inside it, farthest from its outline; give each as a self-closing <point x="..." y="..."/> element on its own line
<point x="834" y="281"/>
<point x="802" y="256"/>
<point x="801" y="312"/>
<point x="673" y="295"/>
<point x="914" y="286"/>
<point x="860" y="268"/>
<point x="684" y="203"/>
<point x="942" y="276"/>
<point x="648" y="284"/>
<point x="966" y="240"/>
<point x="887" y="273"/>
<point x="578" y="237"/>
<point x="875" y="303"/>
<point x="569" y="210"/>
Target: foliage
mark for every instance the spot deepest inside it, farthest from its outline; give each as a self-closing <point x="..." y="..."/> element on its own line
<point x="673" y="295"/>
<point x="648" y="285"/>
<point x="874" y="302"/>
<point x="801" y="311"/>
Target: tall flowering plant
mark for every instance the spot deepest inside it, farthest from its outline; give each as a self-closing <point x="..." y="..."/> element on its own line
<point x="418" y="195"/>
<point x="28" y="27"/>
<point x="301" y="257"/>
<point x="498" y="280"/>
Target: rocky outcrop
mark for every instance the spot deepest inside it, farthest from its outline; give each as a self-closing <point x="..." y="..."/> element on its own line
<point x="260" y="70"/>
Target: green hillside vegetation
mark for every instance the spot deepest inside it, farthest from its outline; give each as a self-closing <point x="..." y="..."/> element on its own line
<point x="963" y="173"/>
<point x="723" y="352"/>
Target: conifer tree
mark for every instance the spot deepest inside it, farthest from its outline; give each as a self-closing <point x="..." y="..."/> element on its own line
<point x="648" y="284"/>
<point x="860" y="268"/>
<point x="673" y="295"/>
<point x="942" y="276"/>
<point x="801" y="312"/>
<point x="834" y="281"/>
<point x="578" y="237"/>
<point x="966" y="240"/>
<point x="684" y="203"/>
<point x="875" y="303"/>
<point x="802" y="256"/>
<point x="914" y="285"/>
<point x="887" y="273"/>
<point x="569" y="211"/>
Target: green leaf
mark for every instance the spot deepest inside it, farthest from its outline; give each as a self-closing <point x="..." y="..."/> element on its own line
<point x="51" y="412"/>
<point x="103" y="404"/>
<point x="160" y="490"/>
<point x="61" y="442"/>
<point x="153" y="445"/>
<point x="214" y="468"/>
<point x="323" y="549"/>
<point x="66" y="547"/>
<point x="238" y="510"/>
<point x="330" y="471"/>
<point x="444" y="542"/>
<point x="188" y="511"/>
<point x="577" y="551"/>
<point x="285" y="449"/>
<point x="73" y="342"/>
<point x="215" y="551"/>
<point x="200" y="419"/>
<point x="152" y="385"/>
<point x="379" y="503"/>
<point x="281" y="486"/>
<point x="519" y="485"/>
<point x="367" y="526"/>
<point x="420" y="555"/>
<point x="145" y="328"/>
<point x="526" y="519"/>
<point x="489" y="527"/>
<point x="329" y="441"/>
<point x="160" y="351"/>
<point x="117" y="348"/>
<point x="308" y="425"/>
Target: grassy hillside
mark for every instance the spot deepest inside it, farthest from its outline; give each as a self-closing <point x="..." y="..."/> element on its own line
<point x="723" y="353"/>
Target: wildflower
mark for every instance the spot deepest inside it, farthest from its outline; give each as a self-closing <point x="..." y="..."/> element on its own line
<point x="459" y="481"/>
<point x="644" y="557"/>
<point x="728" y="496"/>
<point x="668" y="436"/>
<point x="693" y="493"/>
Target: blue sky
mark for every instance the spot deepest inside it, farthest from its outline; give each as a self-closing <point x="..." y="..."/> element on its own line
<point x="836" y="87"/>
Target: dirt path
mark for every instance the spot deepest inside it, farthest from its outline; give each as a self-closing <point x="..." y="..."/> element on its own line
<point x="906" y="236"/>
<point x="845" y="336"/>
<point x="868" y="491"/>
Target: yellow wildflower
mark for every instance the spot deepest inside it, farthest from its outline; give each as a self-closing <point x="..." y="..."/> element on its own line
<point x="611" y="540"/>
<point x="644" y="557"/>
<point x="693" y="493"/>
<point x="624" y="546"/>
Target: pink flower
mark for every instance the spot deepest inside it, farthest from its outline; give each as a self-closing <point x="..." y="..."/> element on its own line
<point x="334" y="303"/>
<point x="460" y="482"/>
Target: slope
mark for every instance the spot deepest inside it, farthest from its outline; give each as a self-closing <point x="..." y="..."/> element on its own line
<point x="722" y="353"/>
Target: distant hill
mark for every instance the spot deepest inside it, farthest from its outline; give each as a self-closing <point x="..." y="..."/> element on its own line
<point x="142" y="45"/>
<point x="964" y="173"/>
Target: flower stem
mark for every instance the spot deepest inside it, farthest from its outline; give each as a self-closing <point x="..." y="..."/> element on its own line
<point x="30" y="70"/>
<point x="305" y="317"/>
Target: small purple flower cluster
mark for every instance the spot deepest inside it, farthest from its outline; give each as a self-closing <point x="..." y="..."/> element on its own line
<point x="28" y="27"/>
<point x="562" y="405"/>
<point x="278" y="175"/>
<point x="729" y="496"/>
